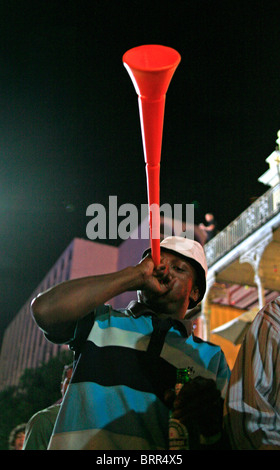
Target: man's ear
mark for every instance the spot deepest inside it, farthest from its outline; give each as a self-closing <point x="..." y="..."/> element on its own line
<point x="194" y="295"/>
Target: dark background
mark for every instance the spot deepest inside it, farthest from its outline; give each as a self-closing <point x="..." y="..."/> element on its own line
<point x="70" y="133"/>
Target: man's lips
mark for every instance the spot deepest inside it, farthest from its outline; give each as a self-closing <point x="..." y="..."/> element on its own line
<point x="167" y="283"/>
<point x="165" y="280"/>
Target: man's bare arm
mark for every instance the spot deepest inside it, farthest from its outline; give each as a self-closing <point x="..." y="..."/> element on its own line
<point x="57" y="310"/>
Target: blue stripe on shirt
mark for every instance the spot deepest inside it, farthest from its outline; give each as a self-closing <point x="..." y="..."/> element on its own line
<point x="112" y="409"/>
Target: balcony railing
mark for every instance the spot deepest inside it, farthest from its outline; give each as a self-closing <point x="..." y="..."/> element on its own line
<point x="256" y="215"/>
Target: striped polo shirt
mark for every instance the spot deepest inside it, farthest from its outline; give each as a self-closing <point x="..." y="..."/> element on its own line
<point x="127" y="360"/>
<point x="252" y="405"/>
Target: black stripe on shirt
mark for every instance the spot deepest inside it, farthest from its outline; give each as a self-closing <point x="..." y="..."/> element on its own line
<point x="118" y="365"/>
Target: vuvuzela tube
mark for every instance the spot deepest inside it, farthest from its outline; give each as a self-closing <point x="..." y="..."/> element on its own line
<point x="151" y="68"/>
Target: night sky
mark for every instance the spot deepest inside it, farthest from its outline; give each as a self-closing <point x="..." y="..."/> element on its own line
<point x="70" y="131"/>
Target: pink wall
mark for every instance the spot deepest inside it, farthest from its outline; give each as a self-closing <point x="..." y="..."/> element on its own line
<point x="91" y="258"/>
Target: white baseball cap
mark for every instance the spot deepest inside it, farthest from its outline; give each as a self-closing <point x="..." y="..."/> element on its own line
<point x="194" y="253"/>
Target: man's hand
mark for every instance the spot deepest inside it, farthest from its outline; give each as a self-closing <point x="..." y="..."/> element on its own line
<point x="199" y="403"/>
<point x="155" y="279"/>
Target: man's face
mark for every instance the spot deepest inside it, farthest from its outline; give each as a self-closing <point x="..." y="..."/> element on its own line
<point x="19" y="441"/>
<point x="179" y="274"/>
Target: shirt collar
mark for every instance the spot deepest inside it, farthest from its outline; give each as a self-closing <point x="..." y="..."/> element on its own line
<point x="137" y="309"/>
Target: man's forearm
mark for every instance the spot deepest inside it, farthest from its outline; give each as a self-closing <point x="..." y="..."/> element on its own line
<point x="71" y="300"/>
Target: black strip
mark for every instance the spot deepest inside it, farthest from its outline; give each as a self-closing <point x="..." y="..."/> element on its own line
<point x="83" y="328"/>
<point x="118" y="365"/>
<point x="160" y="329"/>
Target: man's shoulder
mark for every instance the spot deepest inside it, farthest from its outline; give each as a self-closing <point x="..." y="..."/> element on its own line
<point x="198" y="340"/>
<point x="47" y="414"/>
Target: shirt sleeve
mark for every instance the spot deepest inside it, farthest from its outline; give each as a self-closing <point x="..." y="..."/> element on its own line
<point x="252" y="406"/>
<point x="39" y="429"/>
<point x="83" y="328"/>
<point x="80" y="329"/>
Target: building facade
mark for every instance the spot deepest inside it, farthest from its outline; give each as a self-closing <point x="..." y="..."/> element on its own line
<point x="24" y="345"/>
<point x="244" y="264"/>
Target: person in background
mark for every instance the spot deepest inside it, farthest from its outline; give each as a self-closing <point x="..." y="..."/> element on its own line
<point x="127" y="359"/>
<point x="209" y="226"/>
<point x="40" y="426"/>
<point x="16" y="437"/>
<point x="252" y="404"/>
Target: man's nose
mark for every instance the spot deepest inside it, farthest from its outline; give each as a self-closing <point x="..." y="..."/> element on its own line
<point x="166" y="268"/>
